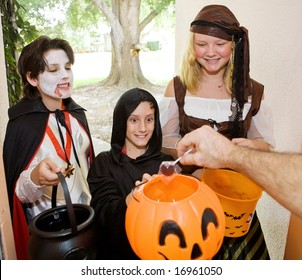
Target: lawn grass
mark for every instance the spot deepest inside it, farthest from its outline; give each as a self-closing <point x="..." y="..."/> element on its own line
<point x="87" y="82"/>
<point x="91" y="68"/>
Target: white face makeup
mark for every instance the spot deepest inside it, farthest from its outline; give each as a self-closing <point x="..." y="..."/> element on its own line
<point x="57" y="79"/>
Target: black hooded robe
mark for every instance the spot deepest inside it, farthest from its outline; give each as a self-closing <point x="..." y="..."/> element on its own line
<point x="113" y="174"/>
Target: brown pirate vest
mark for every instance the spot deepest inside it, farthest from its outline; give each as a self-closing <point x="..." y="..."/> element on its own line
<point x="189" y="123"/>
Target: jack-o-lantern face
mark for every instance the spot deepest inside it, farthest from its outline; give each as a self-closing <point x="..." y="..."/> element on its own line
<point x="185" y="220"/>
<point x="171" y="227"/>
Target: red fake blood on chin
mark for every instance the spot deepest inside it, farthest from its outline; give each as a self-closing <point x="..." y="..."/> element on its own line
<point x="58" y="93"/>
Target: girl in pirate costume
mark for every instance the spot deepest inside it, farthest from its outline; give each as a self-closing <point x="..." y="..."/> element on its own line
<point x="215" y="89"/>
<point x="47" y="132"/>
<point x="135" y="150"/>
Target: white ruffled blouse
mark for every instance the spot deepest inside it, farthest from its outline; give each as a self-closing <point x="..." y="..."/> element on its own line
<point x="215" y="109"/>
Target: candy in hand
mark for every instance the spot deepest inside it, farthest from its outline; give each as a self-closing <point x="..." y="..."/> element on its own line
<point x="167" y="168"/>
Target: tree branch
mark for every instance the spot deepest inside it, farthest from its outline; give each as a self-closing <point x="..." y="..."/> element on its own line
<point x="148" y="19"/>
<point x="113" y="20"/>
<point x="160" y="5"/>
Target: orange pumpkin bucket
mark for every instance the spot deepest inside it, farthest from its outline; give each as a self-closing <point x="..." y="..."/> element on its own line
<point x="175" y="217"/>
<point x="238" y="196"/>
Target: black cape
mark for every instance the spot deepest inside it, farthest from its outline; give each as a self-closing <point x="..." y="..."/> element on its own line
<point x="24" y="133"/>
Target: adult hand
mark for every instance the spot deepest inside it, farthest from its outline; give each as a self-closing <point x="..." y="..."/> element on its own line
<point x="211" y="149"/>
<point x="256" y="144"/>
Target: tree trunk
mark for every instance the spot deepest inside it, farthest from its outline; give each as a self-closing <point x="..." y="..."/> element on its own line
<point x="125" y="35"/>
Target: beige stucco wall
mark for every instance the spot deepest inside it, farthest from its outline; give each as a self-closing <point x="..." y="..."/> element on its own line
<point x="276" y="61"/>
<point x="3" y="90"/>
<point x="6" y="233"/>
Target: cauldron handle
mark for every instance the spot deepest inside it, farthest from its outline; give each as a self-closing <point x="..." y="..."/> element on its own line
<point x="70" y="210"/>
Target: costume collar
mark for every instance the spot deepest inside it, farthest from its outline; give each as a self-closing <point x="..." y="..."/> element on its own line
<point x="28" y="106"/>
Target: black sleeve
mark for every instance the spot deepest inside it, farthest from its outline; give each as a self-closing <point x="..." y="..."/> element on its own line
<point x="110" y="209"/>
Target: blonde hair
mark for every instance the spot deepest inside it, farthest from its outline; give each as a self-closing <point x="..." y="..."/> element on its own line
<point x="190" y="74"/>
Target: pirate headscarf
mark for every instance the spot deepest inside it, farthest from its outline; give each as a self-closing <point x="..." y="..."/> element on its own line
<point x="218" y="21"/>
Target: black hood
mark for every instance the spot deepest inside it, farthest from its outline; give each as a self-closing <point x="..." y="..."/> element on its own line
<point x="126" y="104"/>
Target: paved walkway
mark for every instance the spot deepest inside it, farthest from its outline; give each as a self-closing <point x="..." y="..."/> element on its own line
<point x="99" y="102"/>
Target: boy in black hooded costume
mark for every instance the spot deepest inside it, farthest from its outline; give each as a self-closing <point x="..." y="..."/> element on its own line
<point x="114" y="173"/>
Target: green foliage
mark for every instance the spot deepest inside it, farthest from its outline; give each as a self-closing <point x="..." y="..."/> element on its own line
<point x="16" y="33"/>
<point x="87" y="82"/>
<point x="83" y="14"/>
<point x="165" y="10"/>
<point x="77" y="21"/>
<point x="158" y="5"/>
<point x="81" y="22"/>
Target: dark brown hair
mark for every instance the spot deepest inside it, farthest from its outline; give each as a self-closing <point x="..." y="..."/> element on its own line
<point x="32" y="61"/>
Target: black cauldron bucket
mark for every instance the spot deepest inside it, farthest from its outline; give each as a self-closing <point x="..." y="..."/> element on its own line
<point x="65" y="232"/>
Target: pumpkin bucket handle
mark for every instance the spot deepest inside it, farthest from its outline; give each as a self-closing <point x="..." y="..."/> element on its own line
<point x="132" y="193"/>
<point x="139" y="191"/>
